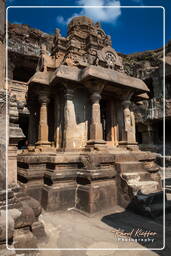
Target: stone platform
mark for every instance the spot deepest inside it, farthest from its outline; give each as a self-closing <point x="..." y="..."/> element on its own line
<point x="89" y="182"/>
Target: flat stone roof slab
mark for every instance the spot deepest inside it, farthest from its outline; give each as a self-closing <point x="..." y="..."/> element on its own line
<point x="114" y="77"/>
<point x="81" y="75"/>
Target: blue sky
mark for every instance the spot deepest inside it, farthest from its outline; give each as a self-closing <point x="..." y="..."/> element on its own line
<point x="131" y="29"/>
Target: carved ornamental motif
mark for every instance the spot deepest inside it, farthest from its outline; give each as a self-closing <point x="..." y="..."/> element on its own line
<point x="86" y="44"/>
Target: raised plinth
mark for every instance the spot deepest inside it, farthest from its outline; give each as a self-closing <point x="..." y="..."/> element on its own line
<point x="89" y="182"/>
<point x="67" y="180"/>
<point x="50" y="178"/>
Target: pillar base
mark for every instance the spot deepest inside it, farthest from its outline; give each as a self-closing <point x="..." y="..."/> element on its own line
<point x="43" y="143"/>
<point x="99" y="145"/>
<point x="133" y="146"/>
<point x="44" y="146"/>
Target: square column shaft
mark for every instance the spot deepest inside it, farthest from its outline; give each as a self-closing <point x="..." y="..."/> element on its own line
<point x="43" y="123"/>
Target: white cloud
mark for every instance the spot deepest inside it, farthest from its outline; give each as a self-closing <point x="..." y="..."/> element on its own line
<point x="61" y="20"/>
<point x="138" y="2"/>
<point x="108" y="15"/>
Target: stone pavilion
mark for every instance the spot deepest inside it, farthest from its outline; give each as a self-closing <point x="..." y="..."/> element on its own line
<point x="82" y="151"/>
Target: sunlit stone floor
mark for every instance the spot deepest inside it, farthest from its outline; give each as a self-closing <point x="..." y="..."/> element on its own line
<point x="75" y="230"/>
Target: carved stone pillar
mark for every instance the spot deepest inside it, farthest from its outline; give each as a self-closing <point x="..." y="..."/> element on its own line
<point x="70" y="135"/>
<point x="96" y="130"/>
<point x="96" y="125"/>
<point x="57" y="121"/>
<point x="129" y="125"/>
<point x="43" y="122"/>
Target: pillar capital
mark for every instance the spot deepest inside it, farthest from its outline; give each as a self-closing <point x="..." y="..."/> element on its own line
<point x="126" y="103"/>
<point x="95" y="97"/>
<point x="43" y="98"/>
<point x="127" y="95"/>
<point x="68" y="93"/>
<point x="95" y="86"/>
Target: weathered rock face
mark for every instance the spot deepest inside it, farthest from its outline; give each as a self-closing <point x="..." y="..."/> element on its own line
<point x="149" y="113"/>
<point x="23" y="211"/>
<point x="26" y="40"/>
<point x="24" y="49"/>
<point x="142" y="64"/>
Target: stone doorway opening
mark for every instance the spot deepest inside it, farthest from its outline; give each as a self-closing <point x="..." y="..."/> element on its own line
<point x="109" y="122"/>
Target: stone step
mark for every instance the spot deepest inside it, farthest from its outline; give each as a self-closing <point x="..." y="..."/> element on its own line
<point x="134" y="156"/>
<point x="145" y="187"/>
<point x="132" y="166"/>
<point x="137" y="176"/>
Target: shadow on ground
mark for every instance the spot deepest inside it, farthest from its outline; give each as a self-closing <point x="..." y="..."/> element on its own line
<point x="148" y="231"/>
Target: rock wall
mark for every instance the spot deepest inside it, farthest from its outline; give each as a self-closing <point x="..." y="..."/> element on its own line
<point x="23" y="225"/>
<point x="148" y="66"/>
<point x="26" y="40"/>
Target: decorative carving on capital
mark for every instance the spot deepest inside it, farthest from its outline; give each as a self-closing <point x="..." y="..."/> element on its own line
<point x="69" y="90"/>
<point x="68" y="94"/>
<point x="127" y="95"/>
<point x="44" y="99"/>
<point x="126" y="103"/>
<point x="95" y="97"/>
<point x="95" y="86"/>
